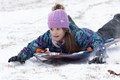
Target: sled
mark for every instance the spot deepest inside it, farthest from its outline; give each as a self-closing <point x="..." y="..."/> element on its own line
<point x="108" y="43"/>
<point x="111" y="42"/>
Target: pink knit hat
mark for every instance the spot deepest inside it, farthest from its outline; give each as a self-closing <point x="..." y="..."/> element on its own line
<point x="58" y="19"/>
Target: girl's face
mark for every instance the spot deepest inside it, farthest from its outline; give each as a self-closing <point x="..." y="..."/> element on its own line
<point x="57" y="34"/>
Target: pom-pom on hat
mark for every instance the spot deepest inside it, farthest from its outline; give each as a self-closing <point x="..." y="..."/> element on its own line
<point x="58" y="19"/>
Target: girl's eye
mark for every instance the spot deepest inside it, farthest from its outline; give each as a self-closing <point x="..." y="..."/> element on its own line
<point x="58" y="28"/>
<point x="51" y="29"/>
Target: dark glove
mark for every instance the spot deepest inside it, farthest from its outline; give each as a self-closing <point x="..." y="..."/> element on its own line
<point x="97" y="60"/>
<point x="16" y="59"/>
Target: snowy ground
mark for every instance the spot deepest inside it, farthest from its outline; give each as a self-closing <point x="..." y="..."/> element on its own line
<point x="22" y="21"/>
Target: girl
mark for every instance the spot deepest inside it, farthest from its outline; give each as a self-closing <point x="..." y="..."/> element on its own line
<point x="64" y="40"/>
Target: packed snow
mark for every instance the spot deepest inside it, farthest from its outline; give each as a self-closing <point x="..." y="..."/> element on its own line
<point x="22" y="21"/>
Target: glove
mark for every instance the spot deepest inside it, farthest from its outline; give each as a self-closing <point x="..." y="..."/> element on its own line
<point x="97" y="60"/>
<point x="100" y="57"/>
<point x="16" y="59"/>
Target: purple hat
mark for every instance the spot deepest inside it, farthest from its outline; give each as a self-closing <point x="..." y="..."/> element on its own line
<point x="58" y="19"/>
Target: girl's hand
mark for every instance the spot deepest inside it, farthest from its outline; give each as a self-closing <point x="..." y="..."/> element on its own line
<point x="16" y="59"/>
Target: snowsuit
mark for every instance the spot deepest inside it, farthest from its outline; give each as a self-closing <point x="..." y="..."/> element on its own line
<point x="84" y="38"/>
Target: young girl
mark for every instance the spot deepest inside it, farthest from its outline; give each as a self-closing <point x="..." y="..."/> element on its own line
<point x="64" y="40"/>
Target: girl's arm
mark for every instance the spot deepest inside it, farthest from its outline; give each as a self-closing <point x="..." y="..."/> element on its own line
<point x="40" y="42"/>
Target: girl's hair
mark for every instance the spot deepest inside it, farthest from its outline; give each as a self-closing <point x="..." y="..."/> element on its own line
<point x="70" y="43"/>
<point x="57" y="6"/>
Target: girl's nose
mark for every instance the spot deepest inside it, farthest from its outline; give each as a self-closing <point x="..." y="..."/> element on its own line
<point x="54" y="31"/>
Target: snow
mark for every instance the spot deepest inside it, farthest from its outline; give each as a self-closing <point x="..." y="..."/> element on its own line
<point x="22" y="21"/>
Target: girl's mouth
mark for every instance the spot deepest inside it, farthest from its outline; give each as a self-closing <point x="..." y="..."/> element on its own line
<point x="55" y="36"/>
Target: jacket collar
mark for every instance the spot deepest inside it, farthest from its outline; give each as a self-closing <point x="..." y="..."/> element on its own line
<point x="58" y="44"/>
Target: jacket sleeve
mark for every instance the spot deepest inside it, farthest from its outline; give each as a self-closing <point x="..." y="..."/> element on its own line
<point x="40" y="42"/>
<point x="88" y="38"/>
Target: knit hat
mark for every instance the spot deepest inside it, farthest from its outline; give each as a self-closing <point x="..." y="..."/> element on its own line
<point x="58" y="19"/>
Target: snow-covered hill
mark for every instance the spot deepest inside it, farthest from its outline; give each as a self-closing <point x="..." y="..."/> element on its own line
<point x="21" y="21"/>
